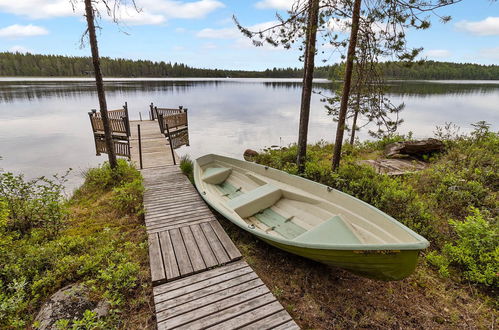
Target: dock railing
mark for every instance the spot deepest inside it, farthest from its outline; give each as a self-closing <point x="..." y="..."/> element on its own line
<point x="120" y="130"/>
<point x="154" y="111"/>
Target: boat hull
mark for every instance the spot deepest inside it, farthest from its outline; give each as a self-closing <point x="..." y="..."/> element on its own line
<point x="386" y="265"/>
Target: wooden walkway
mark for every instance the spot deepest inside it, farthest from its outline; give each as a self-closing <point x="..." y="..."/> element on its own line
<point x="198" y="278"/>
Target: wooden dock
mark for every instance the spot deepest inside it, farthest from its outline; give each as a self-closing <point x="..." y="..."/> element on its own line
<point x="199" y="281"/>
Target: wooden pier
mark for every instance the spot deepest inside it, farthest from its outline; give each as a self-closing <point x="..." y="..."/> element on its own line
<point x="199" y="281"/>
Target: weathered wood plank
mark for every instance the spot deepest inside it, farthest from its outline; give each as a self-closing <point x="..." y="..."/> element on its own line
<point x="156" y="261"/>
<point x="205" y="301"/>
<point x="229" y="246"/>
<point x="272" y="320"/>
<point x="193" y="287"/>
<point x="169" y="259"/>
<point x="184" y="264"/>
<point x="209" y="258"/>
<point x="215" y="244"/>
<point x="250" y="316"/>
<point x="250" y="278"/>
<point x="192" y="249"/>
<point x="290" y="325"/>
<point x="220" y="310"/>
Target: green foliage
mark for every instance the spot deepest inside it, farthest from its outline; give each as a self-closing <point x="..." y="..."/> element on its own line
<point x="89" y="321"/>
<point x="475" y="249"/>
<point x="465" y="176"/>
<point x="105" y="178"/>
<point x="187" y="167"/>
<point x="36" y="203"/>
<point x="100" y="246"/>
<point x="128" y="196"/>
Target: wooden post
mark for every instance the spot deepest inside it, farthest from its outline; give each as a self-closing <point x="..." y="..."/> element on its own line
<point x="140" y="115"/>
<point x="140" y="146"/>
<point x="186" y="118"/>
<point x="151" y="112"/>
<point x="127" y="123"/>
<point x="171" y="145"/>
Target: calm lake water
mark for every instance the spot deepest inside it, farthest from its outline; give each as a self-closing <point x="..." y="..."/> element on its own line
<point x="44" y="126"/>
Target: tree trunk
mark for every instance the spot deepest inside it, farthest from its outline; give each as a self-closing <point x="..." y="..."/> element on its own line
<point x="89" y="14"/>
<point x="355" y="115"/>
<point x="308" y="74"/>
<point x="340" y="130"/>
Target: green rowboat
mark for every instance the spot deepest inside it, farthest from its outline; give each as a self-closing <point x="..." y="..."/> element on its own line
<point x="308" y="219"/>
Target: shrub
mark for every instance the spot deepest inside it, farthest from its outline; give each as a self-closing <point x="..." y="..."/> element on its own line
<point x="475" y="250"/>
<point x="36" y="203"/>
<point x="129" y="197"/>
<point x="105" y="178"/>
<point x="187" y="167"/>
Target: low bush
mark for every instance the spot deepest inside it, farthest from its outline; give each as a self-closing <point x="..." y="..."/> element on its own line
<point x="475" y="249"/>
<point x="102" y="244"/>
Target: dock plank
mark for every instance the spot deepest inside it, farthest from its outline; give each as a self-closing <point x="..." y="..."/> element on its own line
<point x="198" y="279"/>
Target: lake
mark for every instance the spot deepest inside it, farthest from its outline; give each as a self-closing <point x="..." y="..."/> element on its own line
<point x="44" y="126"/>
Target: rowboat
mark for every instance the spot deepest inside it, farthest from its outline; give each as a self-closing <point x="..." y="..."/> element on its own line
<point x="308" y="219"/>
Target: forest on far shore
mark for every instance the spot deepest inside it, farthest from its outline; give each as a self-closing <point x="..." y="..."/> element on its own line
<point x="35" y="65"/>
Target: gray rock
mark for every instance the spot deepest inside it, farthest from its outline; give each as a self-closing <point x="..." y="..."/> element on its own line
<point x="250" y="154"/>
<point x="70" y="303"/>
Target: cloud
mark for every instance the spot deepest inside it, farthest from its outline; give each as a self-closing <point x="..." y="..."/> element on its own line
<point x="37" y="8"/>
<point x="438" y="53"/>
<point x="154" y="11"/>
<point x="486" y="27"/>
<point x="20" y="31"/>
<point x="274" y="4"/>
<point x="490" y="53"/>
<point x="19" y="49"/>
<point x="232" y="33"/>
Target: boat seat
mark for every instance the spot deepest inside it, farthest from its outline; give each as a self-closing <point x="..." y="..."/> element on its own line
<point x="255" y="200"/>
<point x="333" y="230"/>
<point x="216" y="175"/>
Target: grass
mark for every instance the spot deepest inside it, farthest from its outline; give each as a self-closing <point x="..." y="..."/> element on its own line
<point x="101" y="242"/>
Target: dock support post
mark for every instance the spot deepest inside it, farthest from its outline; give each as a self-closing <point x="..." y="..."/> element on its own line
<point x="140" y="146"/>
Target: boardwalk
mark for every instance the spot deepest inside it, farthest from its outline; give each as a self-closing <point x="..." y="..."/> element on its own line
<point x="198" y="278"/>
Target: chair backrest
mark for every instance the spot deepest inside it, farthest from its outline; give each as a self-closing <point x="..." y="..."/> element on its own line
<point x="118" y="120"/>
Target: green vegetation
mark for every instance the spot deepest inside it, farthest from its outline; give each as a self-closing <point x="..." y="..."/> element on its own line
<point x="187" y="167"/>
<point x="454" y="203"/>
<point x="17" y="64"/>
<point x="96" y="238"/>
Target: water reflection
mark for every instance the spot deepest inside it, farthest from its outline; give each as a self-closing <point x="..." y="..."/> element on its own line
<point x="44" y="125"/>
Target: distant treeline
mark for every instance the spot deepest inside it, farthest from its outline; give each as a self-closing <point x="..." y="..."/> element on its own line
<point x="18" y="64"/>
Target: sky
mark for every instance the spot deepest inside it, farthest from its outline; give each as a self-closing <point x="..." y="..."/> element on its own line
<point x="201" y="33"/>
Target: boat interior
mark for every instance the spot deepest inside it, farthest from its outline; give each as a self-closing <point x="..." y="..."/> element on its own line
<point x="288" y="212"/>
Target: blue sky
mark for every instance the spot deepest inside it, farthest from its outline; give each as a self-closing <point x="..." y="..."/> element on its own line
<point x="201" y="33"/>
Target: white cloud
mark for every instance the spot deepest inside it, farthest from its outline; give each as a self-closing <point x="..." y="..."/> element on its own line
<point x="37" y="8"/>
<point x="486" y="27"/>
<point x="490" y="53"/>
<point x="437" y="53"/>
<point x="274" y="4"/>
<point x="232" y="33"/>
<point x="19" y="49"/>
<point x="19" y="31"/>
<point x="154" y="11"/>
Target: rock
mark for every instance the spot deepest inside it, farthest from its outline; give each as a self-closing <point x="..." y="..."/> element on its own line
<point x="414" y="148"/>
<point x="69" y="302"/>
<point x="394" y="166"/>
<point x="250" y="154"/>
